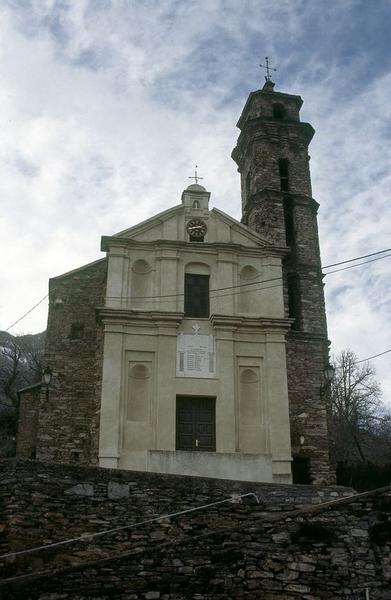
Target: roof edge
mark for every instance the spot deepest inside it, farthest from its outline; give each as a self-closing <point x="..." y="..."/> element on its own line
<point x="87" y="266"/>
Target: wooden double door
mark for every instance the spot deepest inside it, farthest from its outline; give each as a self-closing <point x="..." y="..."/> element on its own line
<point x="196" y="423"/>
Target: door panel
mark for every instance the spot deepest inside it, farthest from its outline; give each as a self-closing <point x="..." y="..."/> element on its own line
<point x="196" y="423"/>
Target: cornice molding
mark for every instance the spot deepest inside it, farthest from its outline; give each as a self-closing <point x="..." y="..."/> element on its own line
<point x="122" y="315"/>
<point x="261" y="324"/>
<point x="278" y="195"/>
<point x="111" y="242"/>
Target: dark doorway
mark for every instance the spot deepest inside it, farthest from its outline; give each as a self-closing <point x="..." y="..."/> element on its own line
<point x="301" y="470"/>
<point x="196" y="423"/>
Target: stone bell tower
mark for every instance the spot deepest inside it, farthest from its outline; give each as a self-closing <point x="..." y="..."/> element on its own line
<point x="273" y="162"/>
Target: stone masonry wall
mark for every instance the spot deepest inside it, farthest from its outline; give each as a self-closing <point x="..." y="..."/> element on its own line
<point x="307" y="403"/>
<point x="307" y="349"/>
<point x="288" y="546"/>
<point x="262" y="142"/>
<point x="26" y="438"/>
<point x="69" y="416"/>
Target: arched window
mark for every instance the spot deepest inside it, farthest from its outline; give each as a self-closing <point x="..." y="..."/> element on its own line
<point x="289" y="221"/>
<point x="196" y="204"/>
<point x="284" y="174"/>
<point x="278" y="111"/>
<point x="294" y="300"/>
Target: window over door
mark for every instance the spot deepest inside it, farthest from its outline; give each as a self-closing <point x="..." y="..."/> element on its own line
<point x="196" y="295"/>
<point x="196" y="423"/>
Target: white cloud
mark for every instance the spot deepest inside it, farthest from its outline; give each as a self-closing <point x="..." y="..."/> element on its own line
<point x="106" y="106"/>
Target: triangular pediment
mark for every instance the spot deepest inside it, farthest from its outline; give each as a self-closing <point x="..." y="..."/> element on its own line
<point x="170" y="225"/>
<point x="239" y="233"/>
<point x="154" y="228"/>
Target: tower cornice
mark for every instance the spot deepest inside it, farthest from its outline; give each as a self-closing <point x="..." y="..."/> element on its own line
<point x="265" y="128"/>
<point x="277" y="194"/>
<point x="270" y="95"/>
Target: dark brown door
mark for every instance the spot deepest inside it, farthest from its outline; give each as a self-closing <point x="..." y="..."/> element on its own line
<point x="196" y="423"/>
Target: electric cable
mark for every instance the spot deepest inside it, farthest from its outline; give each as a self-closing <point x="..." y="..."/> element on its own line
<point x="342" y="262"/>
<point x="272" y="518"/>
<point x="228" y="287"/>
<point x="89" y="536"/>
<point x="358" y="264"/>
<point x="371" y="357"/>
<point x="201" y="295"/>
<point x="27" y="313"/>
<point x="156" y="297"/>
<point x="240" y="285"/>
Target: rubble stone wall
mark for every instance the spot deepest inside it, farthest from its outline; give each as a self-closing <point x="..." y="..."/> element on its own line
<point x="69" y="413"/>
<point x="26" y="438"/>
<point x="290" y="545"/>
<point x="261" y="145"/>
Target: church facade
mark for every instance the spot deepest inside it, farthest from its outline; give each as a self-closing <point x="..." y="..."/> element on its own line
<point x="198" y="345"/>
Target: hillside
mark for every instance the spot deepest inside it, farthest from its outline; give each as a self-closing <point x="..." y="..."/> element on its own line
<point x="20" y="364"/>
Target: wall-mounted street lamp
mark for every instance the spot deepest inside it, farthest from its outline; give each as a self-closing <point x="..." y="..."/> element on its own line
<point x="46" y="379"/>
<point x="328" y="374"/>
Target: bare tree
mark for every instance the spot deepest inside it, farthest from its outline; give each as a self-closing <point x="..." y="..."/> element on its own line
<point x="358" y="415"/>
<point x="20" y="366"/>
<point x="11" y="357"/>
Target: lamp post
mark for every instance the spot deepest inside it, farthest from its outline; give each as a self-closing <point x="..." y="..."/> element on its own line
<point x="46" y="379"/>
<point x="325" y="393"/>
<point x="328" y="374"/>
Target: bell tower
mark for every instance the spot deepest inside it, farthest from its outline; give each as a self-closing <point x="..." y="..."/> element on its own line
<point x="273" y="162"/>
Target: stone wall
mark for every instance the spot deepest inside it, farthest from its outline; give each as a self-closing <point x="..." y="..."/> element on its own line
<point x="262" y="143"/>
<point x="308" y="347"/>
<point x="28" y="406"/>
<point x="290" y="545"/>
<point x="69" y="413"/>
<point x="307" y="404"/>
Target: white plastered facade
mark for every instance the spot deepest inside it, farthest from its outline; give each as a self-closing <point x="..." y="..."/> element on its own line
<point x="154" y="353"/>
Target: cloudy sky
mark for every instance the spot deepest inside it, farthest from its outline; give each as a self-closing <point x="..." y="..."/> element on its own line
<point x="106" y="105"/>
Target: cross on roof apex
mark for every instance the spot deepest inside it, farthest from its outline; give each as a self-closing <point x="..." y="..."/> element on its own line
<point x="268" y="76"/>
<point x="196" y="177"/>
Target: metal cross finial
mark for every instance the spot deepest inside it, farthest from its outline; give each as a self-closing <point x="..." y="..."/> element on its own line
<point x="268" y="76"/>
<point x="196" y="176"/>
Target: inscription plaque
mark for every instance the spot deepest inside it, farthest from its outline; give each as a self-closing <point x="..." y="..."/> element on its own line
<point x="195" y="355"/>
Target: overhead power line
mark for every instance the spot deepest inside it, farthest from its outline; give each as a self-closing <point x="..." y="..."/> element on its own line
<point x="159" y="297"/>
<point x="27" y="313"/>
<point x="372" y="357"/>
<point x="358" y="264"/>
<point x="357" y="362"/>
<point x="233" y="287"/>
<point x="173" y="541"/>
<point x="211" y="291"/>
<point x="234" y="498"/>
<point x="343" y="262"/>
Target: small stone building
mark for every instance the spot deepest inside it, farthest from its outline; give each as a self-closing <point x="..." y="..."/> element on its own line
<point x="198" y="345"/>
